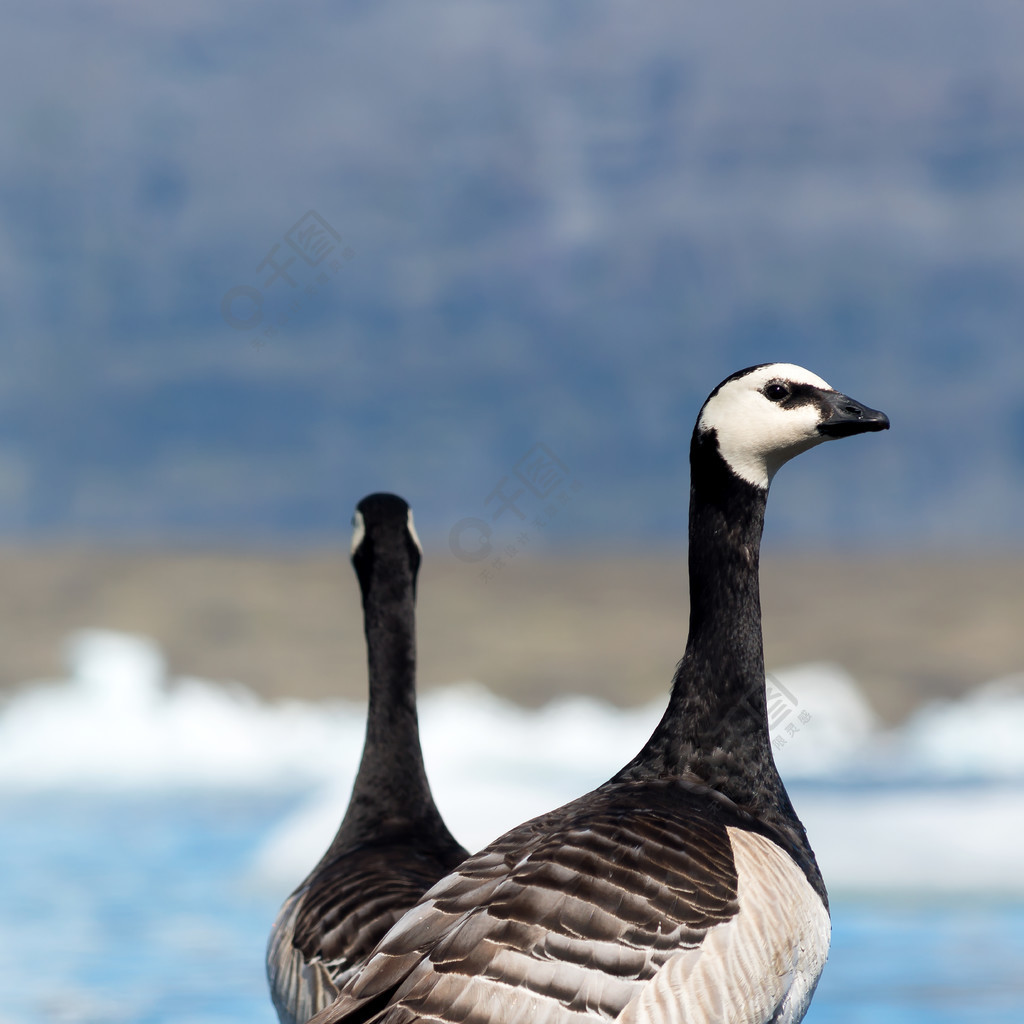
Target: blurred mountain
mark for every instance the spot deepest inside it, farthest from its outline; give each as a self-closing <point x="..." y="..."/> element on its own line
<point x="555" y="222"/>
<point x="910" y="629"/>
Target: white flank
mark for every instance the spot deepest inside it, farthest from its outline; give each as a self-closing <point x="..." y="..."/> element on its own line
<point x="760" y="966"/>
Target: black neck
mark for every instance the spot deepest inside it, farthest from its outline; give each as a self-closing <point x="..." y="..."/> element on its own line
<point x="391" y="791"/>
<point x="715" y="729"/>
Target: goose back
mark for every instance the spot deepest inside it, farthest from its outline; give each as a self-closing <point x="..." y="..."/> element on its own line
<point x="392" y="844"/>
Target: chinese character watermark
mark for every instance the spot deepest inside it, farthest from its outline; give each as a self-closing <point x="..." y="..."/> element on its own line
<point x="783" y="715"/>
<point x="526" y="501"/>
<point x="311" y="236"/>
<point x="310" y="239"/>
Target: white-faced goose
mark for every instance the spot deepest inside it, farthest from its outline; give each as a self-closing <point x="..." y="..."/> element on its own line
<point x="392" y="844"/>
<point x="683" y="890"/>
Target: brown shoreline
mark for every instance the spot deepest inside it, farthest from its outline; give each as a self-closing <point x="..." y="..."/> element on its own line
<point x="288" y="624"/>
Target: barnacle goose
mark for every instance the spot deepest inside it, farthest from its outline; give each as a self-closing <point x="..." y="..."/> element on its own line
<point x="392" y="844"/>
<point x="683" y="890"/>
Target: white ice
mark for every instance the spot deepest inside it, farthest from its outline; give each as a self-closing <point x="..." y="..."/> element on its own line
<point x="936" y="804"/>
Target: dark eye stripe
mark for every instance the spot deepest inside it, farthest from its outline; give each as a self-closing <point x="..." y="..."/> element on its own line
<point x="798" y="394"/>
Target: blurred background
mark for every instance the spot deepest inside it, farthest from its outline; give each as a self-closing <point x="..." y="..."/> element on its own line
<point x="259" y="260"/>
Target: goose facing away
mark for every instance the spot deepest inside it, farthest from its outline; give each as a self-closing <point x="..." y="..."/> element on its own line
<point x="683" y="890"/>
<point x="392" y="844"/>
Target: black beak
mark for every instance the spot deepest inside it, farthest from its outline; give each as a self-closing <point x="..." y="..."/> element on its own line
<point x="842" y="416"/>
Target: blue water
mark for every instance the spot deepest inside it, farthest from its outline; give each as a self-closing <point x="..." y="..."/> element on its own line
<point x="143" y="909"/>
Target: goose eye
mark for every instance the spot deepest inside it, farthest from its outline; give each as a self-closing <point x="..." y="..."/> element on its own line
<point x="776" y="392"/>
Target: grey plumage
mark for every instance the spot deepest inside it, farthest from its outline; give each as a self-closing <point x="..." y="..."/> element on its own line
<point x="573" y="916"/>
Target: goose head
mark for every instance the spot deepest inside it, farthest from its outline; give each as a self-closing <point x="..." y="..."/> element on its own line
<point x="764" y="415"/>
<point x="384" y="539"/>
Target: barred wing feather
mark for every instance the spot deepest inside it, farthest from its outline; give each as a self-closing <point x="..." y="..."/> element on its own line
<point x="327" y="928"/>
<point x="605" y="909"/>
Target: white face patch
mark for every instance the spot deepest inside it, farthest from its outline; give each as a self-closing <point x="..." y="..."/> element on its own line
<point x="756" y="435"/>
<point x="412" y="533"/>
<point x="358" y="532"/>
